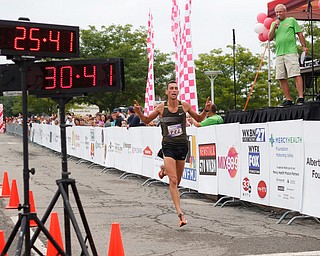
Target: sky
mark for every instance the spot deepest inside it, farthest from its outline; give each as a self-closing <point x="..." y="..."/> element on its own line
<point x="212" y="21"/>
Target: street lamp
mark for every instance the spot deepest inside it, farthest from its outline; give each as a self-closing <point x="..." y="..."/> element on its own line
<point x="212" y="74"/>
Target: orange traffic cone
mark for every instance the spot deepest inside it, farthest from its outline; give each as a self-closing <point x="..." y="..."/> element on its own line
<point x="115" y="244"/>
<point x="5" y="186"/>
<point x="14" y="200"/>
<point x="55" y="232"/>
<point x="32" y="223"/>
<point x="2" y="242"/>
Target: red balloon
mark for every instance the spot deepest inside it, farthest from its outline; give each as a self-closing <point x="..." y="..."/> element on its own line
<point x="319" y="4"/>
<point x="265" y="34"/>
<point x="261" y="38"/>
<point x="261" y="17"/>
<point x="267" y="22"/>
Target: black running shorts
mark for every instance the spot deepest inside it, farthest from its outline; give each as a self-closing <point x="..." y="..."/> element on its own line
<point x="177" y="151"/>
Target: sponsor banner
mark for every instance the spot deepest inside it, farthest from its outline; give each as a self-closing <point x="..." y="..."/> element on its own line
<point x="190" y="175"/>
<point x="254" y="160"/>
<point x="98" y="145"/>
<point x="118" y="142"/>
<point x="136" y="151"/>
<point x="286" y="164"/>
<point x="86" y="143"/>
<point x="110" y="146"/>
<point x="228" y="149"/>
<point x="157" y="160"/>
<point x="69" y="130"/>
<point x="207" y="148"/>
<point x="311" y="187"/>
<point x="126" y="149"/>
<point x="148" y="151"/>
<point x="80" y="133"/>
<point x="54" y="137"/>
<point x="37" y="135"/>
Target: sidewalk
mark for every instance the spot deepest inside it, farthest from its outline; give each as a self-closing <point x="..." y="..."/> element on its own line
<point x="148" y="222"/>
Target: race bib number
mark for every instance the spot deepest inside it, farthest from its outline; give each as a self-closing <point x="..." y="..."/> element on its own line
<point x="175" y="130"/>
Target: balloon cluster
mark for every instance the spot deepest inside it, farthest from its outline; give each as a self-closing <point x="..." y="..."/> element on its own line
<point x="262" y="28"/>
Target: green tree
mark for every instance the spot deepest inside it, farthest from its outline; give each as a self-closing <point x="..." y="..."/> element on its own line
<point x="225" y="92"/>
<point x="122" y="41"/>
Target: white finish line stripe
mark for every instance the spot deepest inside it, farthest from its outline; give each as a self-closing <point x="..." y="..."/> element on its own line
<point x="38" y="244"/>
<point x="312" y="253"/>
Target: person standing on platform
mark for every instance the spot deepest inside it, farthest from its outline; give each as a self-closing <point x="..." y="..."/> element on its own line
<point x="284" y="31"/>
<point x="172" y="115"/>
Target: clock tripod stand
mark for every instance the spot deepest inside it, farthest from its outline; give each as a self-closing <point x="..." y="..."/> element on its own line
<point x="23" y="222"/>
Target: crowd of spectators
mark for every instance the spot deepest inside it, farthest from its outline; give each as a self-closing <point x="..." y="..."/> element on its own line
<point x="119" y="118"/>
<point x="126" y="118"/>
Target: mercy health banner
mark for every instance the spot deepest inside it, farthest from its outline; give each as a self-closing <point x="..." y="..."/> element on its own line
<point x="311" y="183"/>
<point x="286" y="164"/>
<point x="228" y="149"/>
<point x="254" y="160"/>
<point x="208" y="175"/>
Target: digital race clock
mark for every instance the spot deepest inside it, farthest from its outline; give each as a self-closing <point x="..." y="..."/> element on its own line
<point x="66" y="78"/>
<point x="18" y="38"/>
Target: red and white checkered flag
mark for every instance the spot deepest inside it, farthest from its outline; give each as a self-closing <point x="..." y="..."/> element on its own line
<point x="185" y="70"/>
<point x="1" y="119"/>
<point x="188" y="89"/>
<point x="149" y="96"/>
<point x="176" y="35"/>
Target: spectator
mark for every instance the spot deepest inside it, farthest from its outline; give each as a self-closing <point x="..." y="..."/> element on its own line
<point x="212" y="118"/>
<point x="284" y="30"/>
<point x="69" y="120"/>
<point x="117" y="117"/>
<point x="133" y="119"/>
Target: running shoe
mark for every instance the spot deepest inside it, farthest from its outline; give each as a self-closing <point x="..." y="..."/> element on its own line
<point x="300" y="101"/>
<point x="287" y="103"/>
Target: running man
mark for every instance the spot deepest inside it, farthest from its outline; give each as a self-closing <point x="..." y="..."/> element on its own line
<point x="172" y="115"/>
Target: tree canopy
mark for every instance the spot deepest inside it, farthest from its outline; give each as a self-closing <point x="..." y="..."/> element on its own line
<point x="131" y="44"/>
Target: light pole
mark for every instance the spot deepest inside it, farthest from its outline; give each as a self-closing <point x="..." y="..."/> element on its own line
<point x="212" y="74"/>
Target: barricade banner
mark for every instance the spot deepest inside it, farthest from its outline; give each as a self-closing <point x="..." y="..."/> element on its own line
<point x="208" y="175"/>
<point x="286" y="164"/>
<point x="52" y="137"/>
<point x="136" y="135"/>
<point x="45" y="135"/>
<point x="158" y="161"/>
<point x="56" y="138"/>
<point x="127" y="150"/>
<point x="69" y="131"/>
<point x="85" y="143"/>
<point x="118" y="141"/>
<point x="110" y="154"/>
<point x="311" y="187"/>
<point x="78" y="141"/>
<point x="228" y="148"/>
<point x="98" y="149"/>
<point x="37" y="135"/>
<point x="148" y="151"/>
<point x="190" y="177"/>
<point x="254" y="160"/>
<point x="74" y="141"/>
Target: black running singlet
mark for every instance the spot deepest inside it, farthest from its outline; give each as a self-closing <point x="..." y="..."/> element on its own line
<point x="173" y="125"/>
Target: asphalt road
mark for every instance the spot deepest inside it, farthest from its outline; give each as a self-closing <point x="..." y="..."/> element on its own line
<point x="148" y="222"/>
